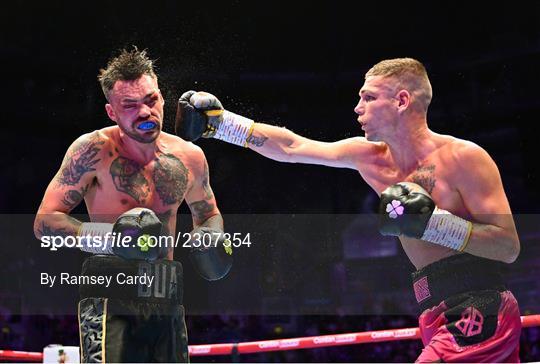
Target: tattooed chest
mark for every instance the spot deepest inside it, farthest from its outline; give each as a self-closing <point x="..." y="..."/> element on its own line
<point x="165" y="179"/>
<point x="442" y="191"/>
<point x="425" y="177"/>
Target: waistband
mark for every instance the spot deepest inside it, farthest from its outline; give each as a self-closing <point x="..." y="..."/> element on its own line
<point x="160" y="281"/>
<point x="454" y="275"/>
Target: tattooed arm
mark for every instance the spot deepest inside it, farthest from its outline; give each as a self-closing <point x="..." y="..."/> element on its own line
<point x="270" y="141"/>
<point x="212" y="261"/>
<point x="283" y="145"/>
<point x="200" y="198"/>
<point x="68" y="187"/>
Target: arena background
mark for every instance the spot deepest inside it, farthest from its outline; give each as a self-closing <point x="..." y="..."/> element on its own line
<point x="293" y="64"/>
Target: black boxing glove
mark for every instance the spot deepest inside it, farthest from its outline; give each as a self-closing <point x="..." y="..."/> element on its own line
<point x="201" y="114"/>
<point x="190" y="124"/>
<point x="211" y="253"/>
<point x="406" y="209"/>
<point x="142" y="226"/>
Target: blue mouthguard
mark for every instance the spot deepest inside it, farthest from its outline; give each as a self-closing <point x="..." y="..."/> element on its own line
<point x="147" y="125"/>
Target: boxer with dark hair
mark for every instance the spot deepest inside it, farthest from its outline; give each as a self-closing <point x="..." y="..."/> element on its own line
<point x="133" y="177"/>
<point x="442" y="196"/>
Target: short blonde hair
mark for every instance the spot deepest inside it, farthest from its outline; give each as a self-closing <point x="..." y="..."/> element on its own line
<point x="411" y="76"/>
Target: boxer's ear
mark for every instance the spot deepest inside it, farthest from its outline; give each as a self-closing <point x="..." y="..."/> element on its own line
<point x="110" y="112"/>
<point x="404" y="100"/>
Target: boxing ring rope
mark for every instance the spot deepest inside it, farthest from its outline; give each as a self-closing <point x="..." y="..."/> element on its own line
<point x="307" y="342"/>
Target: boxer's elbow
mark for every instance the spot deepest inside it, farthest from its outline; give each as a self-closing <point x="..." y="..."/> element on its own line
<point x="279" y="152"/>
<point x="282" y="153"/>
<point x="285" y="155"/>
<point x="299" y="151"/>
<point x="496" y="243"/>
<point x="42" y="222"/>
<point x="512" y="253"/>
<point x="289" y="148"/>
<point x="37" y="226"/>
<point x="512" y="249"/>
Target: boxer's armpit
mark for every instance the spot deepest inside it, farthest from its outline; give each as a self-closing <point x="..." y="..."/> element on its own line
<point x="81" y="158"/>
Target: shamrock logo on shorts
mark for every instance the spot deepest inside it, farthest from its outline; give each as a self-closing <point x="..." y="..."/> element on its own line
<point x="395" y="209"/>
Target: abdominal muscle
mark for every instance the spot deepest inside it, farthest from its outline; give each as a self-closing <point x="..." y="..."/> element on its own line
<point x="422" y="253"/>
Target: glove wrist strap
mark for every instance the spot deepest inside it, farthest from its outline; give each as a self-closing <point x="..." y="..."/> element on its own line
<point x="234" y="129"/>
<point x="447" y="229"/>
<point x="96" y="237"/>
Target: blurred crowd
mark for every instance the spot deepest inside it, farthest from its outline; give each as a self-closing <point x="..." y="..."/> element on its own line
<point x="33" y="332"/>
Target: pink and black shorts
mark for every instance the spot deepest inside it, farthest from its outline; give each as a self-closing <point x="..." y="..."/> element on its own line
<point x="467" y="314"/>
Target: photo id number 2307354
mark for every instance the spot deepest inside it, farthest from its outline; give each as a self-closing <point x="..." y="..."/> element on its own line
<point x="198" y="240"/>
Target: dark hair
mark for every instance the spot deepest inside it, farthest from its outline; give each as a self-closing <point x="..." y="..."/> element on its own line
<point x="127" y="66"/>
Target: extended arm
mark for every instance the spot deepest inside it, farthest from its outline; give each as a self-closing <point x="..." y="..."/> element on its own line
<point x="201" y="114"/>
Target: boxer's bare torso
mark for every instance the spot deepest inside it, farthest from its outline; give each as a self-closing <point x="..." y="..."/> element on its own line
<point x="444" y="170"/>
<point x="121" y="182"/>
<point x="100" y="169"/>
<point x="433" y="173"/>
<point x="460" y="176"/>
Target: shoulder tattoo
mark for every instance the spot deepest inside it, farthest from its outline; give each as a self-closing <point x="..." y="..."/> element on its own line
<point x="79" y="160"/>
